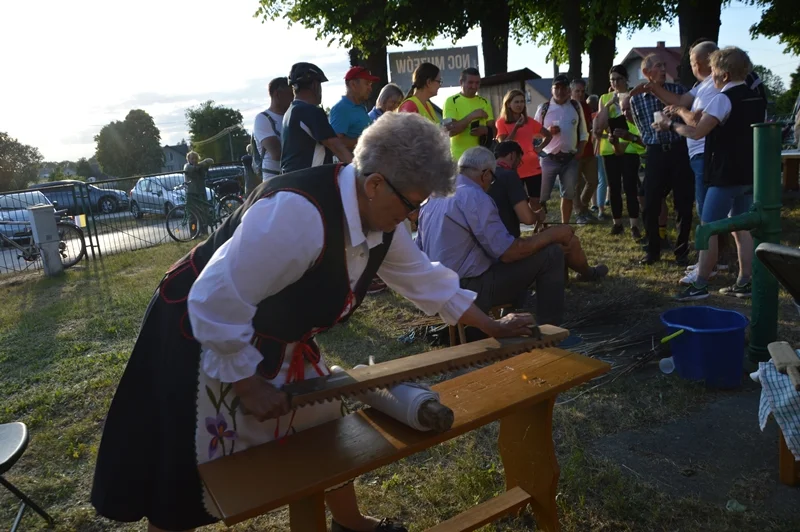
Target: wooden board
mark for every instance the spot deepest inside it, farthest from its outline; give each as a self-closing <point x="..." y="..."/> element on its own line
<point x="355" y="381"/>
<point x="786" y="361"/>
<point x="266" y="477"/>
<point x="486" y="512"/>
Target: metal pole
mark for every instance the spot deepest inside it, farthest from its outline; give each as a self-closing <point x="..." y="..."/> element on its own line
<point x="767" y="190"/>
<point x="230" y="143"/>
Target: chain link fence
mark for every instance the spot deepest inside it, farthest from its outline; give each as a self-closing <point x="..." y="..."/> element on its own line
<point x="117" y="215"/>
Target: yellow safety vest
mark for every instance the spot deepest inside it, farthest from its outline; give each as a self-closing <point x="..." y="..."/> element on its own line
<point x="425" y="110"/>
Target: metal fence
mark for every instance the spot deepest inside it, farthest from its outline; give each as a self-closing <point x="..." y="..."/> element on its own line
<point x="116" y="215"/>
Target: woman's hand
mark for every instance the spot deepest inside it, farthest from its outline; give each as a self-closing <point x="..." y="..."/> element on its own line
<point x="621" y="133"/>
<point x="673" y="111"/>
<point x="513" y="325"/>
<point x="521" y="121"/>
<point x="260" y="398"/>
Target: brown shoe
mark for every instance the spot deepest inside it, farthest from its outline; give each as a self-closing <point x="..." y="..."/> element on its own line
<point x="377" y="286"/>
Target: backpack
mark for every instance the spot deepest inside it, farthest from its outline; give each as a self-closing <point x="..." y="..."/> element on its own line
<point x="258" y="157"/>
<point x="578" y="109"/>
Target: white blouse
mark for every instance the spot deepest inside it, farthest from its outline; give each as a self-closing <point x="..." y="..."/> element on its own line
<point x="277" y="241"/>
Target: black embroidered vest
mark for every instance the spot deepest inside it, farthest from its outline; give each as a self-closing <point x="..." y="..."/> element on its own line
<point x="317" y="300"/>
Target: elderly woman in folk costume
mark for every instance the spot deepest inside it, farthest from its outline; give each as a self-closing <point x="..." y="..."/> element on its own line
<point x="235" y="319"/>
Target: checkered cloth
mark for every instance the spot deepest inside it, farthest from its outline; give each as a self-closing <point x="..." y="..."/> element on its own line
<point x="779" y="398"/>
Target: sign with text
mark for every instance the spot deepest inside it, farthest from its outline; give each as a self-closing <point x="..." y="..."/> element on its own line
<point x="451" y="61"/>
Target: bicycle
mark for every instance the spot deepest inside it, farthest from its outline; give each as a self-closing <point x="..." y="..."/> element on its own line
<point x="184" y="221"/>
<point x="71" y="245"/>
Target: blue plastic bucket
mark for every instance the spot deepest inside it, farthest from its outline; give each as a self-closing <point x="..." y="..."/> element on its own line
<point x="712" y="346"/>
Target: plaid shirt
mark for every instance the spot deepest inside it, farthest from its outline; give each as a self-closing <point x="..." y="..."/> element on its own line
<point x="643" y="107"/>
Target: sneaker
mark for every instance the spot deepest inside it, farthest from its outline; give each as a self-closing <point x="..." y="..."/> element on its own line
<point x="594" y="208"/>
<point x="582" y="219"/>
<point x="737" y="290"/>
<point x="692" y="293"/>
<point x="601" y="217"/>
<point x="636" y="233"/>
<point x="617" y="230"/>
<point x="718" y="267"/>
<point x="377" y="286"/>
<point x="691" y="277"/>
<point x="597" y="273"/>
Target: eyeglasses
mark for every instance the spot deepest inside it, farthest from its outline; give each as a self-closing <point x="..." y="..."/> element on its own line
<point x="410" y="206"/>
<point x="494" y="178"/>
<point x="439" y="81"/>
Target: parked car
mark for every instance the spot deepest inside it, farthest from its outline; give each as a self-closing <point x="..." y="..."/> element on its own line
<point x="229" y="177"/>
<point x="157" y="195"/>
<point x="14" y="208"/>
<point x="78" y="197"/>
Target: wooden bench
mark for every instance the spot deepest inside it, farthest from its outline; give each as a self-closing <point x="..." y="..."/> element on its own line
<point x="520" y="392"/>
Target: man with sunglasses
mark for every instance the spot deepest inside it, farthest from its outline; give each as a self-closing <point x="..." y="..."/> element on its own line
<point x="237" y="317"/>
<point x="465" y="233"/>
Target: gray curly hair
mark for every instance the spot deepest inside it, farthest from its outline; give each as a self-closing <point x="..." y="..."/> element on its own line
<point x="409" y="151"/>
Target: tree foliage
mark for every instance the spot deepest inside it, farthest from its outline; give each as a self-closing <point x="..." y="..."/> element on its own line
<point x="130" y="147"/>
<point x="785" y="103"/>
<point x="780" y="19"/>
<point x="83" y="168"/>
<point x="19" y="163"/>
<point x="208" y="123"/>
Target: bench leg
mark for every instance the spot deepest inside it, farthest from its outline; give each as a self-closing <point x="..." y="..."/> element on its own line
<point x="308" y="515"/>
<point x="788" y="467"/>
<point x="529" y="458"/>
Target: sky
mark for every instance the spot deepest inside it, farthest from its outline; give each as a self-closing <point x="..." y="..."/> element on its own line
<point x="68" y="68"/>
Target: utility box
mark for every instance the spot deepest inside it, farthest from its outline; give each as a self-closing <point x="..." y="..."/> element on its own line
<point x="46" y="238"/>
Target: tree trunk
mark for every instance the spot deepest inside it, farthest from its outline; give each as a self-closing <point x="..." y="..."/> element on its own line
<point x="601" y="58"/>
<point x="575" y="36"/>
<point x="697" y="19"/>
<point x="494" y="38"/>
<point x="376" y="62"/>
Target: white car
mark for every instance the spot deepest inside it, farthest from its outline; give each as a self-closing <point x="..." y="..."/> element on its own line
<point x="157" y="195"/>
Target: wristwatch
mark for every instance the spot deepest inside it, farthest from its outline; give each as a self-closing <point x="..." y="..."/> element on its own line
<point x="672" y="126"/>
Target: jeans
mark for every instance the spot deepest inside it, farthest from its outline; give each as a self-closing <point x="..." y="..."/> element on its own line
<point x="722" y="202"/>
<point x="567" y="173"/>
<point x="700" y="189"/>
<point x="506" y="282"/>
<point x="602" y="183"/>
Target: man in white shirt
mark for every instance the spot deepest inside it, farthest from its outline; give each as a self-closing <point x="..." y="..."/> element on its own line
<point x="690" y="106"/>
<point x="267" y="127"/>
<point x="236" y="318"/>
<point x="563" y="117"/>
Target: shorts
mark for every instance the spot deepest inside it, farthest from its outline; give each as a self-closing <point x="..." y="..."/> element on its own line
<point x="722" y="202"/>
<point x="566" y="171"/>
<point x="533" y="185"/>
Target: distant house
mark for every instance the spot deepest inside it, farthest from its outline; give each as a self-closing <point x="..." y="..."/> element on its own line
<point x="495" y="87"/>
<point x="633" y="61"/>
<point x="174" y="157"/>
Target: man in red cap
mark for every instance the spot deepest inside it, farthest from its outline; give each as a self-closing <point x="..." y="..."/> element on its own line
<point x="349" y="117"/>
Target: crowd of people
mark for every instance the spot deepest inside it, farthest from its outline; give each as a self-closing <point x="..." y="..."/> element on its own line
<point x="641" y="142"/>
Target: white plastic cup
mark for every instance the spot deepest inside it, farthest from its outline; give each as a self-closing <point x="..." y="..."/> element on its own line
<point x="666" y="365"/>
<point x="658" y="116"/>
<point x="556" y="123"/>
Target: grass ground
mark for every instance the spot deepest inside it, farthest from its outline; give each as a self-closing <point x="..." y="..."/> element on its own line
<point x="64" y="344"/>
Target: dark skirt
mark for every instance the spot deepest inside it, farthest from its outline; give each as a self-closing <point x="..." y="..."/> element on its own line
<point x="147" y="465"/>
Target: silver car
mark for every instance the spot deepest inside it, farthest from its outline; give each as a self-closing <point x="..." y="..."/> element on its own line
<point x="157" y="195"/>
<point x="14" y="208"/>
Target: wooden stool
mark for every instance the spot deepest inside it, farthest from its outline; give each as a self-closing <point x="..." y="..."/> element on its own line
<point x="788" y="467"/>
<point x="495" y="312"/>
